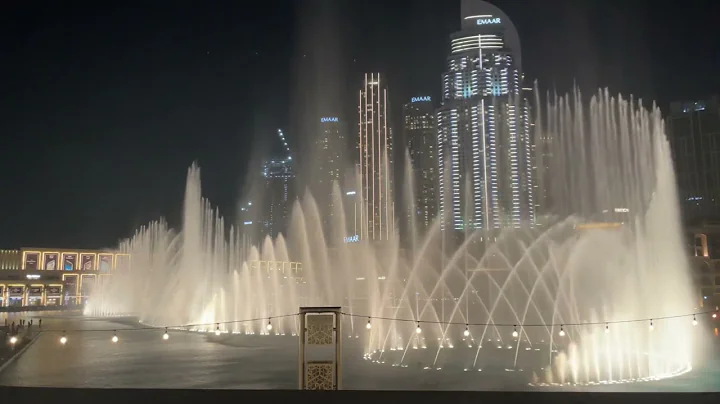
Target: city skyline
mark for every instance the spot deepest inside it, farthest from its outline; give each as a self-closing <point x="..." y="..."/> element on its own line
<point x="212" y="96"/>
<point x="446" y="196"/>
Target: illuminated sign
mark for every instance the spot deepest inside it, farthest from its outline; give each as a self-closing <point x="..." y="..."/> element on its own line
<point x="488" y="21"/>
<point x="421" y="99"/>
<point x="248" y="222"/>
<point x="622" y="210"/>
<point x="32" y="261"/>
<point x="105" y="262"/>
<point x="87" y="262"/>
<point x="350" y="193"/>
<point x="329" y="119"/>
<point x="53" y="290"/>
<point x="51" y="261"/>
<point x="33" y="276"/>
<point x="69" y="261"/>
<point x="352" y="239"/>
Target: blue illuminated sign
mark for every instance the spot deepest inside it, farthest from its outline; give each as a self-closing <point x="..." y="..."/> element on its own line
<point x="421" y="99"/>
<point x="352" y="239"/>
<point x="329" y="119"/>
<point x="488" y="21"/>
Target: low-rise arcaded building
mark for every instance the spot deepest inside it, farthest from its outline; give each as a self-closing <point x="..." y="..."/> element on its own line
<point x="53" y="276"/>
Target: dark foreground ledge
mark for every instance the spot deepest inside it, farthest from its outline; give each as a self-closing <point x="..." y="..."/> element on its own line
<point x="125" y="396"/>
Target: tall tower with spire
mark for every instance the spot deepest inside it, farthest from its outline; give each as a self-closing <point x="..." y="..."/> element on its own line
<point x="377" y="213"/>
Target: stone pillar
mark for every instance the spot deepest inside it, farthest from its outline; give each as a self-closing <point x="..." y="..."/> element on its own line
<point x="320" y="326"/>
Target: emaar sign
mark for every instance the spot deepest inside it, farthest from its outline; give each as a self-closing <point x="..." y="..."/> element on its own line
<point x="329" y="119"/>
<point x="488" y="21"/>
<point x="352" y="239"/>
<point x="420" y="99"/>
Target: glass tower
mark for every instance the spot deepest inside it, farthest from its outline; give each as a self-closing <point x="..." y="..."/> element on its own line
<point x="485" y="149"/>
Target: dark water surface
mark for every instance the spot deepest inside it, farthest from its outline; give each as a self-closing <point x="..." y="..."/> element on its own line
<point x="142" y="359"/>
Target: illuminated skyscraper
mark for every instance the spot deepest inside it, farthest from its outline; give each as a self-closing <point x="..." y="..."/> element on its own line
<point x="279" y="191"/>
<point x="421" y="136"/>
<point x="694" y="127"/>
<point x="485" y="149"/>
<point x="329" y="147"/>
<point x="375" y="152"/>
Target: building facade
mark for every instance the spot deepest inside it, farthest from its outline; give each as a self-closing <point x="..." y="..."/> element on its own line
<point x="330" y="146"/>
<point x="279" y="192"/>
<point x="55" y="277"/>
<point x="485" y="148"/>
<point x="704" y="243"/>
<point x="694" y="133"/>
<point x="420" y="133"/>
<point x="279" y="179"/>
<point x="375" y="160"/>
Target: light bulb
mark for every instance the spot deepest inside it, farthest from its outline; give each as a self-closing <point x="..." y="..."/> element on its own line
<point x="418" y="330"/>
<point x="268" y="326"/>
<point x="63" y="339"/>
<point x="652" y="327"/>
<point x="607" y="328"/>
<point x="13" y="340"/>
<point x="694" y="320"/>
<point x="115" y="338"/>
<point x="166" y="336"/>
<point x="714" y="315"/>
<point x="515" y="333"/>
<point x="562" y="332"/>
<point x="368" y="326"/>
<point x="467" y="330"/>
<point x="217" y="329"/>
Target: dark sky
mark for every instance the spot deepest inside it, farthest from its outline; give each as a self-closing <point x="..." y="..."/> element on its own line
<point x="104" y="105"/>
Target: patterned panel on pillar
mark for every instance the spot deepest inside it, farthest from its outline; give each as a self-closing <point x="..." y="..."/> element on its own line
<point x="320" y="375"/>
<point x="320" y="329"/>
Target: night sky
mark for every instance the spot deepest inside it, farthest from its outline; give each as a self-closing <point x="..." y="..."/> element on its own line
<point x="104" y="105"/>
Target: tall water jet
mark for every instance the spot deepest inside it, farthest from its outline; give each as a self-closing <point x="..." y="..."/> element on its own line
<point x="567" y="301"/>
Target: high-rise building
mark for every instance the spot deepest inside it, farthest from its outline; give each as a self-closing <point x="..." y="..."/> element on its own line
<point x="485" y="149"/>
<point x="330" y="146"/>
<point x="279" y="191"/>
<point x="375" y="153"/>
<point x="694" y="133"/>
<point x="420" y="133"/>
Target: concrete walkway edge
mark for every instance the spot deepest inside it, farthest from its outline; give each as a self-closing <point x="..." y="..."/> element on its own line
<point x="20" y="352"/>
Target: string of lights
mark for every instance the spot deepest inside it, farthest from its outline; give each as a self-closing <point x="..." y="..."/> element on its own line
<point x="195" y="325"/>
<point x="269" y="326"/>
<point x="712" y="313"/>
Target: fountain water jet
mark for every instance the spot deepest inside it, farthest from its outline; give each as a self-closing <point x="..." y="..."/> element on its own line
<point x="611" y="163"/>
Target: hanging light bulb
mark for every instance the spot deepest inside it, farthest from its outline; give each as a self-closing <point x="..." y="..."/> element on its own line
<point x="652" y="327"/>
<point x="467" y="330"/>
<point x="269" y="325"/>
<point x="607" y="328"/>
<point x="515" y="333"/>
<point x="115" y="337"/>
<point x="63" y="339"/>
<point x="13" y="340"/>
<point x="166" y="336"/>
<point x="562" y="332"/>
<point x="217" y="329"/>
<point x="368" y="326"/>
<point x="714" y="315"/>
<point x="694" y="320"/>
<point x="418" y="330"/>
